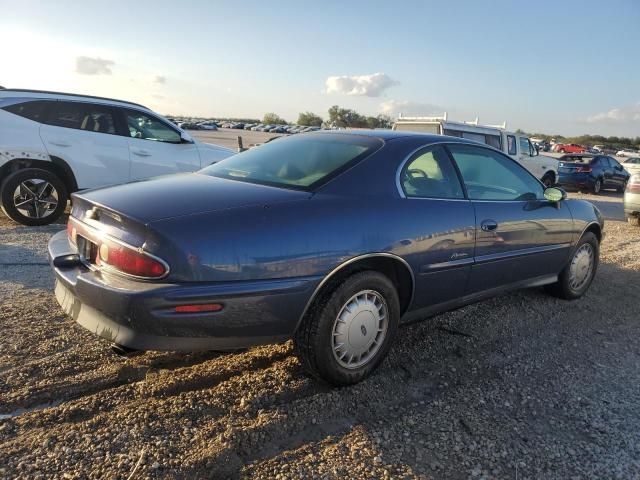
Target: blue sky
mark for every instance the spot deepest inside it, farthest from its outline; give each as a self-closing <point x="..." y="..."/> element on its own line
<point x="554" y="66"/>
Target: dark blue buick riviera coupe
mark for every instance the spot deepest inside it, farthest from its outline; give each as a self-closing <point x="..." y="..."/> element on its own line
<point x="327" y="238"/>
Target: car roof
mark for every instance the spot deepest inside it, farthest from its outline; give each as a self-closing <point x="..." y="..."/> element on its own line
<point x="46" y="94"/>
<point x="384" y="134"/>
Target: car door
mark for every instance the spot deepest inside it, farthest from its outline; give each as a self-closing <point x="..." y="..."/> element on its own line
<point x="85" y="136"/>
<point x="442" y="223"/>
<point x="520" y="236"/>
<point x="156" y="148"/>
<point x="607" y="172"/>
<point x="528" y="157"/>
<point x="619" y="174"/>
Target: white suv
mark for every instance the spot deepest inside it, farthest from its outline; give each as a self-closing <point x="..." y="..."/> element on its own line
<point x="52" y="144"/>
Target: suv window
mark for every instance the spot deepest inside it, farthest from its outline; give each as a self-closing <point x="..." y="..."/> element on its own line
<point x="489" y="175"/>
<point x="511" y="145"/>
<point x="82" y="116"/>
<point x="525" y="146"/>
<point x="33" y="110"/>
<point x="147" y="127"/>
<point x="431" y="174"/>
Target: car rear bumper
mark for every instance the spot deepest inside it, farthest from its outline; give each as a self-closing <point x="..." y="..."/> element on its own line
<point x="142" y="316"/>
<point x="575" y="181"/>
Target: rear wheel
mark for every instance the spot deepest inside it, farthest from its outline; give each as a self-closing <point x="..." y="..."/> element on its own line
<point x="597" y="186"/>
<point x="576" y="277"/>
<point x="33" y="196"/>
<point x="347" y="334"/>
<point x="549" y="179"/>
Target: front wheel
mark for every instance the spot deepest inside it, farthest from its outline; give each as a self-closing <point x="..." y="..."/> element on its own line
<point x="343" y="339"/>
<point x="622" y="188"/>
<point x="635" y="221"/>
<point x="33" y="196"/>
<point x="576" y="277"/>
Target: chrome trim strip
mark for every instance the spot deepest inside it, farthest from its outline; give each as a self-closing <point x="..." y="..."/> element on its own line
<point x="492" y="257"/>
<point x="349" y="262"/>
<point x="108" y="268"/>
<point x="444" y="265"/>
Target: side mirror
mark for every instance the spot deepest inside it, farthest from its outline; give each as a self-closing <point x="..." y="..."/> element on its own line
<point x="554" y="194"/>
<point x="185" y="137"/>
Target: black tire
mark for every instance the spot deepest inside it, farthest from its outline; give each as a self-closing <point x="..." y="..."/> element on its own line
<point x="313" y="340"/>
<point x="48" y="214"/>
<point x="597" y="187"/>
<point x="548" y="179"/>
<point x="563" y="288"/>
<point x="621" y="188"/>
<point x="635" y="221"/>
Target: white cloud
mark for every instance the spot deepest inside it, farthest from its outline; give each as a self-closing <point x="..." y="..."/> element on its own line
<point x="361" y="85"/>
<point x="627" y="113"/>
<point x="160" y="79"/>
<point x="394" y="108"/>
<point x="93" y="66"/>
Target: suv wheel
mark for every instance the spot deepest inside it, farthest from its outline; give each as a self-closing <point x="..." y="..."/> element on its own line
<point x="33" y="196"/>
<point x="343" y="339"/>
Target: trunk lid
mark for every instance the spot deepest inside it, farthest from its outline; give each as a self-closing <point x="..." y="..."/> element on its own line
<point x="159" y="198"/>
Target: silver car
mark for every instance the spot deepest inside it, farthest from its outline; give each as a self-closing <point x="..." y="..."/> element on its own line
<point x="632" y="165"/>
<point x="632" y="200"/>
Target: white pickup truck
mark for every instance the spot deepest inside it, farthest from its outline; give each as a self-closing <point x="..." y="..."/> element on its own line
<point x="517" y="146"/>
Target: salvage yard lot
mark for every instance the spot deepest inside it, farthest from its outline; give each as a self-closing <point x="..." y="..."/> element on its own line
<point x="520" y="386"/>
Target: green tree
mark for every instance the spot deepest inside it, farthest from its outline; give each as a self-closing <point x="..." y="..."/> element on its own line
<point x="309" y="119"/>
<point x="273" y="119"/>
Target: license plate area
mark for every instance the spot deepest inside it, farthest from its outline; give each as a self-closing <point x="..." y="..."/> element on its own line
<point x="87" y="250"/>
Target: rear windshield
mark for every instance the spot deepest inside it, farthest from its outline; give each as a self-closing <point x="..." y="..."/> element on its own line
<point x="576" y="159"/>
<point x="301" y="162"/>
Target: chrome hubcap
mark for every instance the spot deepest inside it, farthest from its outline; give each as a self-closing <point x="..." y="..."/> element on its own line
<point x="35" y="198"/>
<point x="581" y="267"/>
<point x="359" y="329"/>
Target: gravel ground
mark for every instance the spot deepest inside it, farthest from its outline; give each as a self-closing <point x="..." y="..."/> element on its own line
<point x="521" y="386"/>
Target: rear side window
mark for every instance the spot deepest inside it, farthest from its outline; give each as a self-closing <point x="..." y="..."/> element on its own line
<point x="430" y="174"/>
<point x="82" y="116"/>
<point x="33" y="110"/>
<point x="511" y="144"/>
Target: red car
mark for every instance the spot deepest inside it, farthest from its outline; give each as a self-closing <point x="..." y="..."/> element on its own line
<point x="570" y="148"/>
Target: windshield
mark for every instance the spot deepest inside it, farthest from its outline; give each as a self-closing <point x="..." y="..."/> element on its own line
<point x="301" y="162"/>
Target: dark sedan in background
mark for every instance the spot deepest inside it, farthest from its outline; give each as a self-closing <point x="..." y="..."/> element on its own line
<point x="327" y="238"/>
<point x="591" y="173"/>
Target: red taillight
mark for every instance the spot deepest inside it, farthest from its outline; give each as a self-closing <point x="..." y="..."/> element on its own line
<point x="129" y="260"/>
<point x="583" y="169"/>
<point x="206" y="307"/>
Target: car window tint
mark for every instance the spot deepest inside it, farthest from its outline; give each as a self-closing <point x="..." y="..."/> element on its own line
<point x="32" y="110"/>
<point x="489" y="175"/>
<point x="66" y="114"/>
<point x="431" y="174"/>
<point x="147" y="127"/>
<point x="82" y="116"/>
<point x="511" y="145"/>
<point x="524" y="146"/>
<point x="302" y="162"/>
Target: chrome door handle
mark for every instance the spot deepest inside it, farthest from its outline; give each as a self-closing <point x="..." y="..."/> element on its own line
<point x="489" y="225"/>
<point x="60" y="143"/>
<point x="142" y="153"/>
